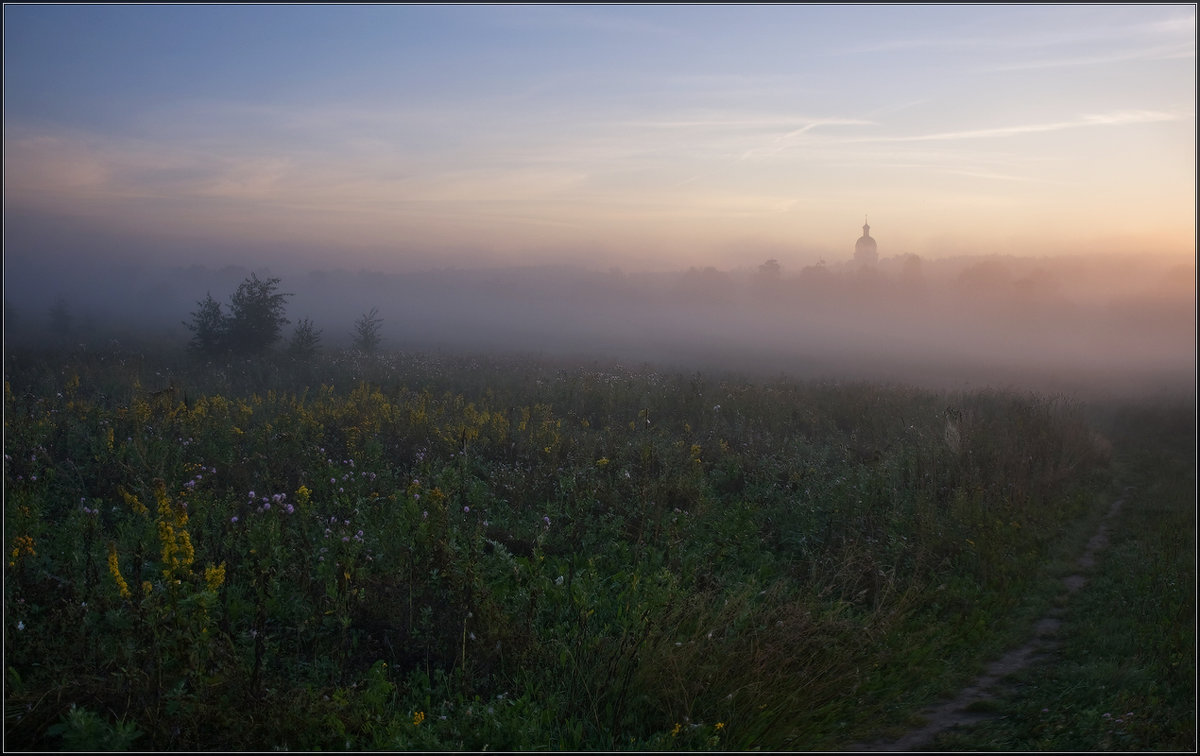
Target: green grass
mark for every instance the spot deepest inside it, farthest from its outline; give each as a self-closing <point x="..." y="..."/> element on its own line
<point x="1125" y="676"/>
<point x="465" y="553"/>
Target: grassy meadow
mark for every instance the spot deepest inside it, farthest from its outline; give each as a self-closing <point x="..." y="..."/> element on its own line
<point x="435" y="552"/>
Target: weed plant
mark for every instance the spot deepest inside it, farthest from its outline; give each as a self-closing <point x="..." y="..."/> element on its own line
<point x="403" y="551"/>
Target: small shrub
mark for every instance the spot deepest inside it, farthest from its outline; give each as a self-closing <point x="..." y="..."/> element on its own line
<point x="208" y="327"/>
<point x="305" y="340"/>
<point x="366" y="332"/>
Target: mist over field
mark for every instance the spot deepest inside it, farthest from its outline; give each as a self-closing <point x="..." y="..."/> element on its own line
<point x="612" y="182"/>
<point x="1120" y="324"/>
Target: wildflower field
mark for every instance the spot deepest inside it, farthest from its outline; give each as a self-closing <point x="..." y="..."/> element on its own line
<point x="440" y="552"/>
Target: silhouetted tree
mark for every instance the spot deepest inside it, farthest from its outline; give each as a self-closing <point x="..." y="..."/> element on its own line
<point x="769" y="280"/>
<point x="209" y="328"/>
<point x="256" y="315"/>
<point x="304" y="340"/>
<point x="366" y="332"/>
<point x="817" y="280"/>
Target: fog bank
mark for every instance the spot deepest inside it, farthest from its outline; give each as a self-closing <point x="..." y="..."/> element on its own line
<point x="1072" y="324"/>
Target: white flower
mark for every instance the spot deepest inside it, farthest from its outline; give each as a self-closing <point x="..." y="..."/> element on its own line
<point x="20" y="625"/>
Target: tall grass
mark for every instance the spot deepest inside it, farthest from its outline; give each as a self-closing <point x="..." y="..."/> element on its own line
<point x="414" y="551"/>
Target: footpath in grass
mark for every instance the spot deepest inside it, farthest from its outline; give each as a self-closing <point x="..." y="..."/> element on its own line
<point x="1122" y="675"/>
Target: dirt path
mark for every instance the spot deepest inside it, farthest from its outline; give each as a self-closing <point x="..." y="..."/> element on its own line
<point x="986" y="687"/>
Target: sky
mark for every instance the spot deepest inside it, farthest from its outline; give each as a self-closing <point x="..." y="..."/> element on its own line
<point x="399" y="137"/>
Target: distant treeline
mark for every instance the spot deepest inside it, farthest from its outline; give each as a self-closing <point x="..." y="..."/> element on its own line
<point x="980" y="318"/>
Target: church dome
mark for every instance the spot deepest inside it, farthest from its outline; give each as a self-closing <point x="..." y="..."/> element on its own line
<point x="865" y="251"/>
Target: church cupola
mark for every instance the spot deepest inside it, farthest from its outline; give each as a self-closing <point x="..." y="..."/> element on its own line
<point x="865" y="250"/>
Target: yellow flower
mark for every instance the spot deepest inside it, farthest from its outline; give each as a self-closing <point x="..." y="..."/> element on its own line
<point x="602" y="462"/>
<point x="115" y="568"/>
<point x="22" y="546"/>
<point x="418" y="718"/>
<point x="133" y="502"/>
<point x="303" y="494"/>
<point x="214" y="576"/>
<point x="177" y="551"/>
<point x="719" y="726"/>
<point x="675" y="730"/>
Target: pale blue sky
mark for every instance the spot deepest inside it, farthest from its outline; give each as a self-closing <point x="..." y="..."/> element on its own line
<point x="639" y="136"/>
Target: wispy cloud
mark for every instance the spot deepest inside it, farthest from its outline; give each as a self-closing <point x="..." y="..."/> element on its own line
<point x="1006" y="31"/>
<point x="1117" y="118"/>
<point x="745" y="121"/>
<point x="1167" y="52"/>
<point x="792" y="138"/>
<point x="993" y="176"/>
